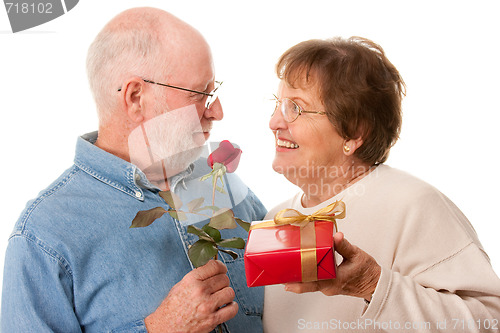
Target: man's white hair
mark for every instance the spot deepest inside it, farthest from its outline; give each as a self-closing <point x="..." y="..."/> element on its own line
<point x="123" y="48"/>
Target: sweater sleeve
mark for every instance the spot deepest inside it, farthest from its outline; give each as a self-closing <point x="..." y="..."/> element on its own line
<point x="467" y="299"/>
<point x="440" y="279"/>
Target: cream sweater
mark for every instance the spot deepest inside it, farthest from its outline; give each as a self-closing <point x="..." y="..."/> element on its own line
<point x="435" y="277"/>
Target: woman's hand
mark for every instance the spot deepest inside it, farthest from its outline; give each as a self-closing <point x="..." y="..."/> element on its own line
<point x="357" y="275"/>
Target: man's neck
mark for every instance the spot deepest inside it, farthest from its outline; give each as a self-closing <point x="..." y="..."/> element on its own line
<point x="113" y="141"/>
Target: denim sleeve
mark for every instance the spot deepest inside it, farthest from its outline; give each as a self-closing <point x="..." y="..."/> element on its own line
<point x="260" y="209"/>
<point x="135" y="327"/>
<point x="36" y="295"/>
<point x="37" y="291"/>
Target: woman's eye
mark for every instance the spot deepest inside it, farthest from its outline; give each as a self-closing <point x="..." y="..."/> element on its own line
<point x="295" y="109"/>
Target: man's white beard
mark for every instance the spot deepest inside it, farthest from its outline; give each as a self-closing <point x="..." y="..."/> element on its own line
<point x="168" y="143"/>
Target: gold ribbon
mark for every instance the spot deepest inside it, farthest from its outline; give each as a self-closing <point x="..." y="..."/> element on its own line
<point x="308" y="258"/>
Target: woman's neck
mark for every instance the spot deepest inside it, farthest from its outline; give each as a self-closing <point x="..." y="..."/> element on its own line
<point x="324" y="183"/>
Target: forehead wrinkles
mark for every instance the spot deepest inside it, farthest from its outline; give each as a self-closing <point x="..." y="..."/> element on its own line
<point x="309" y="84"/>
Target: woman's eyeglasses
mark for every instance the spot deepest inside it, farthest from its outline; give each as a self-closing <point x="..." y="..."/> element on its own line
<point x="291" y="110"/>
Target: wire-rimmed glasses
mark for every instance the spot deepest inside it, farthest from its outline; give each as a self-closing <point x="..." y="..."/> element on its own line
<point x="291" y="110"/>
<point x="211" y="96"/>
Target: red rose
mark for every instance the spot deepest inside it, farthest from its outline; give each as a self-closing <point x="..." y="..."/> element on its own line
<point x="226" y="154"/>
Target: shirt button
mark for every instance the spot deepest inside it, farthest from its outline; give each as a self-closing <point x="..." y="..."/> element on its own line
<point x="138" y="194"/>
<point x="137" y="177"/>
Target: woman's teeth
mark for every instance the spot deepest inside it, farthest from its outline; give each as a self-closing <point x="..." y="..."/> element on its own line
<point x="287" y="144"/>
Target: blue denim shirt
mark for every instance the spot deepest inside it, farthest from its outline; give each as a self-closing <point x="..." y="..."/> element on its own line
<point x="73" y="264"/>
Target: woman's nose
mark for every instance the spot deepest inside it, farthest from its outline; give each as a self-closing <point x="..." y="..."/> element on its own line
<point x="277" y="121"/>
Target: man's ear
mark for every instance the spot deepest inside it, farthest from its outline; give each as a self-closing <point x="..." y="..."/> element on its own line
<point x="133" y="97"/>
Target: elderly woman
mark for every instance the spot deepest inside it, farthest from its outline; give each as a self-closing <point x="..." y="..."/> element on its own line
<point x="413" y="261"/>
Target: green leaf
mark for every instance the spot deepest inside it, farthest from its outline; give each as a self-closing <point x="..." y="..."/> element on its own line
<point x="235" y="243"/>
<point x="245" y="225"/>
<point x="171" y="199"/>
<point x="223" y="219"/>
<point x="201" y="252"/>
<point x="194" y="205"/>
<point x="194" y="230"/>
<point x="178" y="215"/>
<point x="200" y="233"/>
<point x="213" y="208"/>
<point x="146" y="217"/>
<point x="231" y="253"/>
<point x="214" y="233"/>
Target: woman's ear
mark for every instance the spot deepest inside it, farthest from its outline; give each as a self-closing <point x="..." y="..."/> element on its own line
<point x="350" y="146"/>
<point x="133" y="94"/>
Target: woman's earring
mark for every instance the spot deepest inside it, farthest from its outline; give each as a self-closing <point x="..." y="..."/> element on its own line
<point x="346" y="149"/>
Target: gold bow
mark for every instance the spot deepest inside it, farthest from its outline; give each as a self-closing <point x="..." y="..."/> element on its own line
<point x="330" y="213"/>
<point x="289" y="216"/>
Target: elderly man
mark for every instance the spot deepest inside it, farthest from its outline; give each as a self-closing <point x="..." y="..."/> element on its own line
<point x="72" y="263"/>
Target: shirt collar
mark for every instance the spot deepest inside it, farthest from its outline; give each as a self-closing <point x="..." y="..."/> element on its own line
<point x="117" y="172"/>
<point x="180" y="178"/>
<point x="106" y="167"/>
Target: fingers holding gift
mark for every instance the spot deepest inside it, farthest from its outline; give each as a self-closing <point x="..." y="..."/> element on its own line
<point x="302" y="287"/>
<point x="357" y="276"/>
<point x="343" y="247"/>
<point x="359" y="272"/>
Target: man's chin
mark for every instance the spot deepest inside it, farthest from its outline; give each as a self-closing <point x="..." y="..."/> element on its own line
<point x="199" y="138"/>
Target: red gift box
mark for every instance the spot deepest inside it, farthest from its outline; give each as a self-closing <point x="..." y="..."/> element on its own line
<point x="277" y="253"/>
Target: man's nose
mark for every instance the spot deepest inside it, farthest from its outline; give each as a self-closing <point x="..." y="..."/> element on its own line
<point x="215" y="111"/>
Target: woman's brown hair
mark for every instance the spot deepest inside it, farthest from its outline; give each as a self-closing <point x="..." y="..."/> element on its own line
<point x="359" y="87"/>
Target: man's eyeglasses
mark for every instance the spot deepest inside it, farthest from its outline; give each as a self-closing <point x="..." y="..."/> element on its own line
<point x="291" y="110"/>
<point x="211" y="96"/>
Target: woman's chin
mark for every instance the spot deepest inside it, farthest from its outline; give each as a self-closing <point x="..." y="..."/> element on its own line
<point x="282" y="167"/>
<point x="277" y="167"/>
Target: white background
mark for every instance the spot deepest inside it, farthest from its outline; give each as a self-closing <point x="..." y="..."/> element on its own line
<point x="446" y="52"/>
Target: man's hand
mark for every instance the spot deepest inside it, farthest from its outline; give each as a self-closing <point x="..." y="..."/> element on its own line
<point x="357" y="275"/>
<point x="198" y="303"/>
